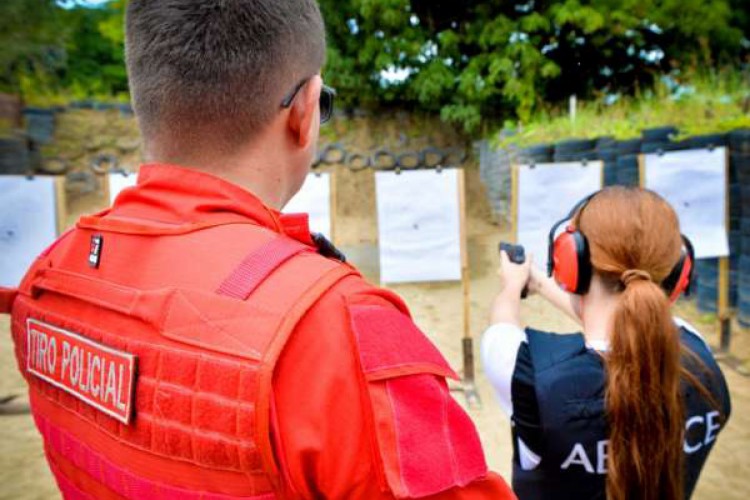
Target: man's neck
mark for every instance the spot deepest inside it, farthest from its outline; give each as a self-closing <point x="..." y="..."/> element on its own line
<point x="266" y="178"/>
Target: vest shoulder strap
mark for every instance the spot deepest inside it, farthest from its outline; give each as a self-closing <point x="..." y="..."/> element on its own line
<point x="549" y="349"/>
<point x="285" y="279"/>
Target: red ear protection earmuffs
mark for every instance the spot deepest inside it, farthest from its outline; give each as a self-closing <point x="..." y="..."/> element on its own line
<point x="569" y="260"/>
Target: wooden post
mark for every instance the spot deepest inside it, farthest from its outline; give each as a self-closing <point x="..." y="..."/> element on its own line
<point x="60" y="204"/>
<point x="642" y="170"/>
<point x="514" y="202"/>
<point x="333" y="205"/>
<point x="107" y="188"/>
<point x="472" y="397"/>
<point x="723" y="305"/>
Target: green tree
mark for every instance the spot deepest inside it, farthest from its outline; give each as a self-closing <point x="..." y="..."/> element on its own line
<point x="478" y="61"/>
<point x="64" y="46"/>
<point x="32" y="38"/>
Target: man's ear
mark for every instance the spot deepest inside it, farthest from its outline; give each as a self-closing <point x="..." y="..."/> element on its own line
<point x="304" y="115"/>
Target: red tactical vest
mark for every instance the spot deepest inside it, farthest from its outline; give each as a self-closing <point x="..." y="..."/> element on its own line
<point x="153" y="378"/>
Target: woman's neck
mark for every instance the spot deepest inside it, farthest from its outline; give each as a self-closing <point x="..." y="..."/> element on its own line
<point x="597" y="313"/>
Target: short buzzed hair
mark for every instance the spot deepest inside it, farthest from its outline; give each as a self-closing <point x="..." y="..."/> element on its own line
<point x="203" y="71"/>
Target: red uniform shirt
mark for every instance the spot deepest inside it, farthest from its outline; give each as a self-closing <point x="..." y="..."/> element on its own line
<point x="360" y="406"/>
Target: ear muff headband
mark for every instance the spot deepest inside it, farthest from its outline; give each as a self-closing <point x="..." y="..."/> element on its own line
<point x="551" y="237"/>
<point x="681" y="276"/>
<point x="569" y="260"/>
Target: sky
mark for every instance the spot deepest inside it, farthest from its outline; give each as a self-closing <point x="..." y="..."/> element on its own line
<point x="71" y="3"/>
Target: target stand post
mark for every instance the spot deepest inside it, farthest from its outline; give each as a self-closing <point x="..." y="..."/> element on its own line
<point x="469" y="386"/>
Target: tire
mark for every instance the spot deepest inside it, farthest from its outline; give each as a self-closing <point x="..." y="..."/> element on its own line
<point x="383" y="159"/>
<point x="607" y="155"/>
<point x="409" y="161"/>
<point x="432" y="157"/>
<point x="54" y="166"/>
<point x="14" y="157"/>
<point x="582" y="156"/>
<point x="610" y="173"/>
<point x="333" y="154"/>
<point x="606" y="142"/>
<point x="104" y="163"/>
<point x="541" y="153"/>
<point x="574" y="146"/>
<point x="659" y="134"/>
<point x="658" y="147"/>
<point x="739" y="141"/>
<point x="708" y="141"/>
<point x="629" y="147"/>
<point x="358" y="161"/>
<point x="707" y="299"/>
<point x="455" y="157"/>
<point x="40" y="125"/>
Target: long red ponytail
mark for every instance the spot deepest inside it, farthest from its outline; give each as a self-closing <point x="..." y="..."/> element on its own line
<point x="635" y="240"/>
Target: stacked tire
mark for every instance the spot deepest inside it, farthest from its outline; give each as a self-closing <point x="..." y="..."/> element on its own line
<point x="707" y="271"/>
<point x="40" y="125"/>
<point x="575" y="150"/>
<point x="658" y="140"/>
<point x="739" y="164"/>
<point x="494" y="170"/>
<point x="627" y="162"/>
<point x="542" y="153"/>
<point x="606" y="151"/>
<point x="14" y="156"/>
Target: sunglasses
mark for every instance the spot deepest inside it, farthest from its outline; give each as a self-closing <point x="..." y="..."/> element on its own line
<point x="327" y="95"/>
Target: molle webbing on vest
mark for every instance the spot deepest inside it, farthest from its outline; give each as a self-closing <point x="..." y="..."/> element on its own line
<point x="204" y="360"/>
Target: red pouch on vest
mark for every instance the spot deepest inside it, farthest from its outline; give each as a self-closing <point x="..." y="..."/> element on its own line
<point x="427" y="442"/>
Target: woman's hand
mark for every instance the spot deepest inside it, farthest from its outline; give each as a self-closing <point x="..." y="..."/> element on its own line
<point x="515" y="276"/>
<point x="538" y="281"/>
<point x="507" y="305"/>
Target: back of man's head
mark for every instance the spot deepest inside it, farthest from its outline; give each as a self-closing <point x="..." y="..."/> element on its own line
<point x="214" y="72"/>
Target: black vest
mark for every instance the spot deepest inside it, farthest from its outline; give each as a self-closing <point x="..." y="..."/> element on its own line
<point x="558" y="405"/>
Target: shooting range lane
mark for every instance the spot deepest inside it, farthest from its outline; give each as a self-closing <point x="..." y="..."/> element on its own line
<point x="694" y="183"/>
<point x="419" y="226"/>
<point x="546" y="193"/>
<point x="28" y="223"/>
<point x="438" y="310"/>
<point x="315" y="199"/>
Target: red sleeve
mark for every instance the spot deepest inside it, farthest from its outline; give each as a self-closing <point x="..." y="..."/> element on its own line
<point x="363" y="409"/>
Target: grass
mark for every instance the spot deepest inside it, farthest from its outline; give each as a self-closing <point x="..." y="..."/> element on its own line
<point x="703" y="104"/>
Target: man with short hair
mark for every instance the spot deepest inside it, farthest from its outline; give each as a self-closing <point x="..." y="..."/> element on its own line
<point x="193" y="342"/>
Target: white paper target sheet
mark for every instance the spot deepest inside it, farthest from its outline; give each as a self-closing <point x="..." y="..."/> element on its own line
<point x="419" y="226"/>
<point x="119" y="181"/>
<point x="28" y="224"/>
<point x="694" y="183"/>
<point x="546" y="193"/>
<point x="314" y="199"/>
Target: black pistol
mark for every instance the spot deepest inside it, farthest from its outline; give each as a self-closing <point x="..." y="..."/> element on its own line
<point x="517" y="255"/>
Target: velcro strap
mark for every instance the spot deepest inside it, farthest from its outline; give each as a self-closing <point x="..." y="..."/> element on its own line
<point x="257" y="266"/>
<point x="7" y="297"/>
<point x="145" y="305"/>
<point x="390" y="345"/>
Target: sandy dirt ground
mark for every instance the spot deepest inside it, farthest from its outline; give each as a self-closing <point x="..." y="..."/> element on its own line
<point x="437" y="309"/>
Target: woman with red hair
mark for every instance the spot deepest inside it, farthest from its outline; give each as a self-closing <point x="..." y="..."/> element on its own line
<point x="631" y="406"/>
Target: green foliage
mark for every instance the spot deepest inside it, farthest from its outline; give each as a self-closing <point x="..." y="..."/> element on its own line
<point x="717" y="103"/>
<point x="480" y="62"/>
<point x="476" y="63"/>
<point x="53" y="53"/>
